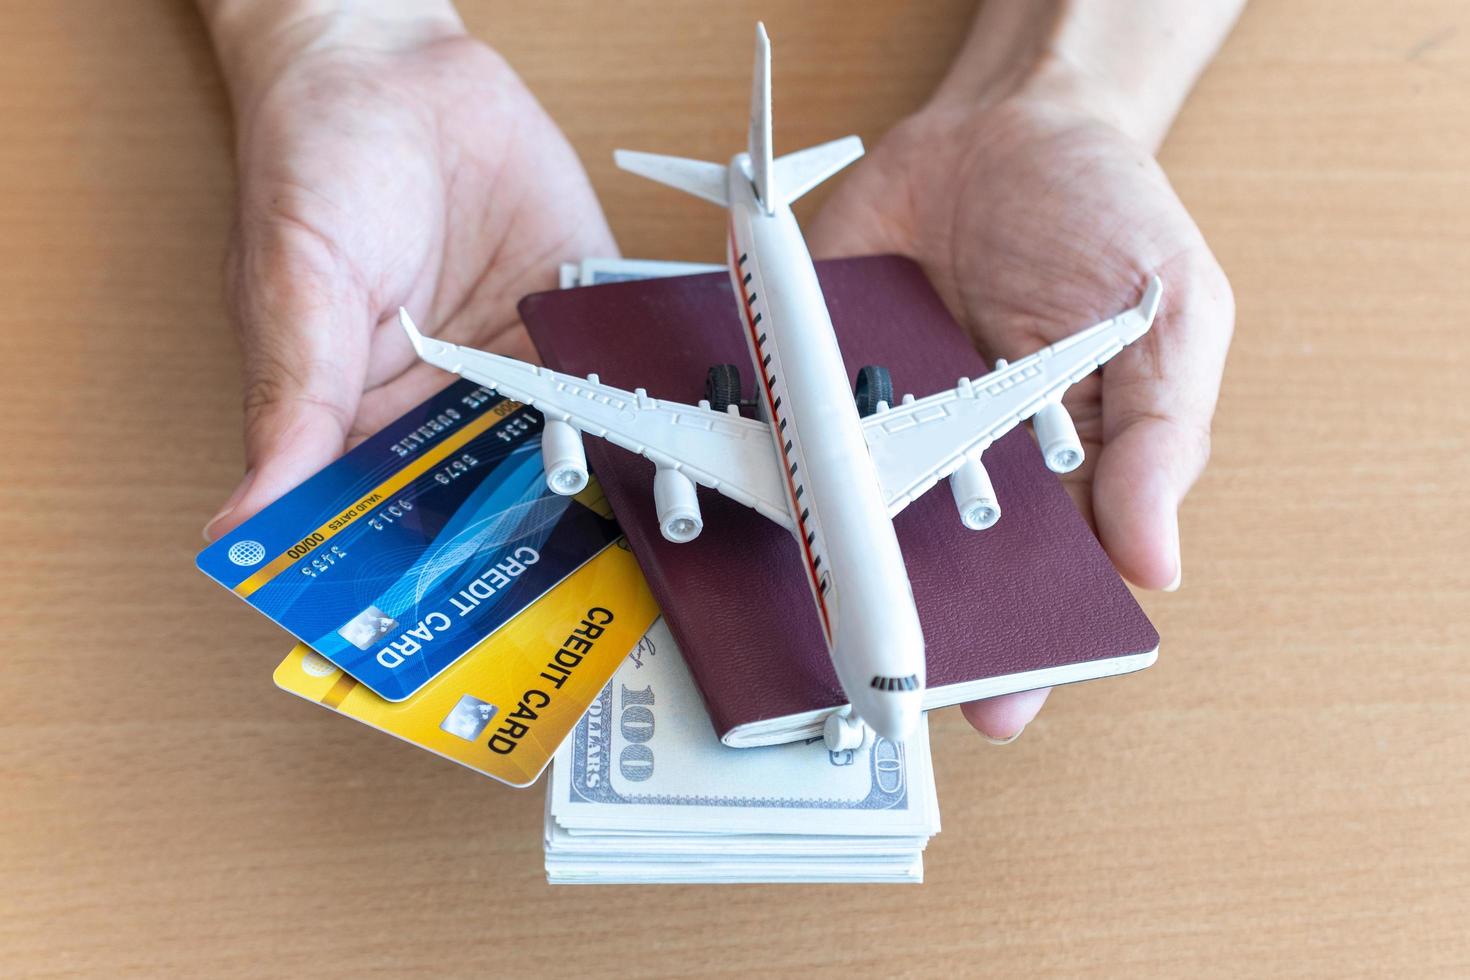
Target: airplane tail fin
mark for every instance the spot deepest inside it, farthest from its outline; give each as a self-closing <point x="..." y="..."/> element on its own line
<point x="759" y="142"/>
<point x="782" y="180"/>
<point x="791" y="176"/>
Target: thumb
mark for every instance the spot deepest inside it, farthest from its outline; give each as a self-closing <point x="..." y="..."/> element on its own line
<point x="1141" y="478"/>
<point x="304" y="330"/>
<point x="1158" y="400"/>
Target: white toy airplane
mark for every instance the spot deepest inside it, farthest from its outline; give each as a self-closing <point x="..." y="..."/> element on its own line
<point x="833" y="475"/>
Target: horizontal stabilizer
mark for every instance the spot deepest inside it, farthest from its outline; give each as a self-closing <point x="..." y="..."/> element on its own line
<point x="797" y="173"/>
<point x="698" y="177"/>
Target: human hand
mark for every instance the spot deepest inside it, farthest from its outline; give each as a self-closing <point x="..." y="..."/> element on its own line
<point x="1035" y="218"/>
<point x="381" y="164"/>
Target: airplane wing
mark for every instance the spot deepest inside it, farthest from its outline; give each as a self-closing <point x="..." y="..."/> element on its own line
<point x="918" y="443"/>
<point x="725" y="452"/>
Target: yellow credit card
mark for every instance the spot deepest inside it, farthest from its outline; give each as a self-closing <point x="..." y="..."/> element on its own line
<point x="504" y="707"/>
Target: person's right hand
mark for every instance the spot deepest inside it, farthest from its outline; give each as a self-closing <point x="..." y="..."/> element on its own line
<point x="382" y="165"/>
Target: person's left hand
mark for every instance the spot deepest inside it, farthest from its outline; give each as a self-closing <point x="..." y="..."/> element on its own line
<point x="1035" y="218"/>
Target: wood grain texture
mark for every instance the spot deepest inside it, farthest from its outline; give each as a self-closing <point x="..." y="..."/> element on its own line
<point x="1285" y="793"/>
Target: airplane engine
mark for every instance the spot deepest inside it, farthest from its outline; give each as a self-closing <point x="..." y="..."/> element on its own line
<point x="677" y="503"/>
<point x="563" y="458"/>
<point x="1057" y="435"/>
<point x="974" y="496"/>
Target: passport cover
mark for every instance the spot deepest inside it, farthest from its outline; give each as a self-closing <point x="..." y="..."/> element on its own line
<point x="1035" y="591"/>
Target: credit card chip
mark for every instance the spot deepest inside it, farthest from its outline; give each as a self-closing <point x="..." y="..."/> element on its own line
<point x="368" y="627"/>
<point x="468" y="718"/>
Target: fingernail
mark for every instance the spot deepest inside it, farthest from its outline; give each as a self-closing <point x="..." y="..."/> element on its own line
<point x="1178" y="565"/>
<point x="230" y="504"/>
<point x="1003" y="741"/>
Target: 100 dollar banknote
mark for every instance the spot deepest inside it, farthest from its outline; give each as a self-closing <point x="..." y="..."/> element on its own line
<point x="645" y="758"/>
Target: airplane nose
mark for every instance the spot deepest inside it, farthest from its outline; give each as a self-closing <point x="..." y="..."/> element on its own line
<point x="894" y="715"/>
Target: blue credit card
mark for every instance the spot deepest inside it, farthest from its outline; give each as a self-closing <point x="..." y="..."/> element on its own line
<point x="396" y="559"/>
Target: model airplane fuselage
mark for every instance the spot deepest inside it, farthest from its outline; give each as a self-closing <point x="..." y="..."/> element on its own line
<point x="833" y="476"/>
<point x="843" y="529"/>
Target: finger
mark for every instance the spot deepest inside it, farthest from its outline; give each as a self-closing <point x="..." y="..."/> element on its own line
<point x="1001" y="719"/>
<point x="1158" y="401"/>
<point x="303" y="332"/>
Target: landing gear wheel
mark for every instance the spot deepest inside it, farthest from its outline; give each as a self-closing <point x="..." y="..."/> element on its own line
<point x="722" y="387"/>
<point x="874" y="385"/>
<point x="841" y="731"/>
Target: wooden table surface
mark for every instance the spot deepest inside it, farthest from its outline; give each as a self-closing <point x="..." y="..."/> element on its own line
<point x="1286" y="792"/>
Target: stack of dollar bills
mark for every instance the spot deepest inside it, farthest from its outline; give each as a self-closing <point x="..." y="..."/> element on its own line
<point x="643" y="791"/>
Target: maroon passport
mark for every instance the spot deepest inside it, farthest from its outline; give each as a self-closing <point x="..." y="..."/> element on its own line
<point x="1031" y="602"/>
